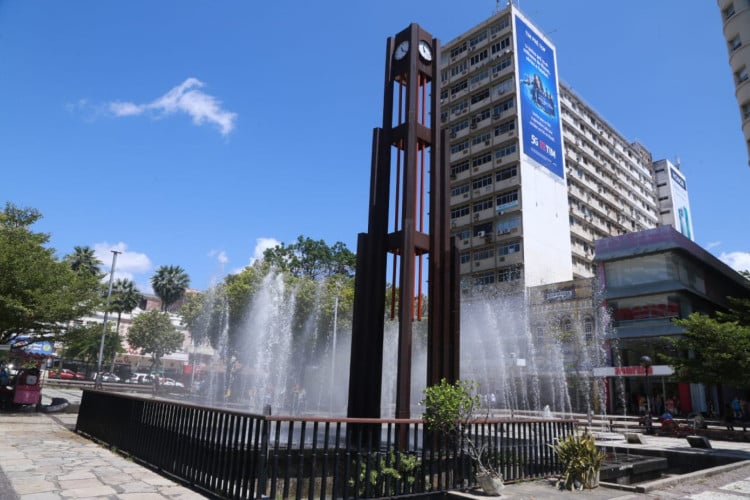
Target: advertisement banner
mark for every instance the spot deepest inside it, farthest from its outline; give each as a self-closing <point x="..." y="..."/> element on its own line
<point x="538" y="99"/>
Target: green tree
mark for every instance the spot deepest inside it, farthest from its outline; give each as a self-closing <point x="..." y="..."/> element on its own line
<point x="39" y="294"/>
<point x="83" y="260"/>
<point x="154" y="334"/>
<point x="125" y="297"/>
<point x="169" y="284"/>
<point x="312" y="259"/>
<point x="714" y="350"/>
<point x="83" y="343"/>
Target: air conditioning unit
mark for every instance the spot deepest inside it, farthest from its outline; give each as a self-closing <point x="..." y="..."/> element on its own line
<point x="480" y="234"/>
<point x="506" y="231"/>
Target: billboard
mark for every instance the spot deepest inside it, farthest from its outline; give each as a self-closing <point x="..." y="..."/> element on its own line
<point x="681" y="206"/>
<point x="541" y="134"/>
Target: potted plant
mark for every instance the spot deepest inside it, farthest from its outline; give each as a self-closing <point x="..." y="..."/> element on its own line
<point x="448" y="411"/>
<point x="581" y="459"/>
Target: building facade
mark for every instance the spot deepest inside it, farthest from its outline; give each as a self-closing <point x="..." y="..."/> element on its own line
<point x="648" y="279"/>
<point x="735" y="15"/>
<point x="537" y="176"/>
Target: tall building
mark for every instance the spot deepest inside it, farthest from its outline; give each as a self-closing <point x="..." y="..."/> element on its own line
<point x="735" y="15"/>
<point x="536" y="174"/>
<point x="674" y="207"/>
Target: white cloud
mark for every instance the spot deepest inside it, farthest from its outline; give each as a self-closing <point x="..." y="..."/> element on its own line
<point x="713" y="244"/>
<point x="261" y="245"/>
<point x="128" y="264"/>
<point x="185" y="98"/>
<point x="739" y="261"/>
<point x="221" y="256"/>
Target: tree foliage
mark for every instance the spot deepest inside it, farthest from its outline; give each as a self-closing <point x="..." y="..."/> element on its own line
<point x="154" y="334"/>
<point x="169" y="284"/>
<point x="312" y="259"/>
<point x="715" y="350"/>
<point x="125" y="297"/>
<point x="83" y="260"/>
<point x="83" y="343"/>
<point x="39" y="294"/>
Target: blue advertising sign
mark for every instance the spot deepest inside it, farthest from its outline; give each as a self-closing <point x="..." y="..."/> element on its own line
<point x="540" y="118"/>
<point x="38" y="348"/>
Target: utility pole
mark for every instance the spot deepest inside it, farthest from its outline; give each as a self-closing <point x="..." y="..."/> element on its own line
<point x="106" y="317"/>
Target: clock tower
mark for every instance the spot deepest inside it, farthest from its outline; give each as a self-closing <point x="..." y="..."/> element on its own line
<point x="408" y="238"/>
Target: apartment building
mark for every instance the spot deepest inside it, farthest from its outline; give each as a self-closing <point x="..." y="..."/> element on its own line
<point x="537" y="176"/>
<point x="735" y="15"/>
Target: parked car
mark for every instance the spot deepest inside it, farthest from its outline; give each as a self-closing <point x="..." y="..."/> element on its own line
<point x="140" y="378"/>
<point x="107" y="377"/>
<point x="65" y="374"/>
<point x="169" y="382"/>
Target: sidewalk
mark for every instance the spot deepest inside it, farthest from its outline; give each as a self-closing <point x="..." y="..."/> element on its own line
<point x="42" y="458"/>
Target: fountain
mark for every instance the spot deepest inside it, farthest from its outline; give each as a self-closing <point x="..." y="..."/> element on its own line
<point x="285" y="355"/>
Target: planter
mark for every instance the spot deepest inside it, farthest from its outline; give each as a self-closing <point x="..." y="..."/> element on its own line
<point x="491" y="484"/>
<point x="593" y="480"/>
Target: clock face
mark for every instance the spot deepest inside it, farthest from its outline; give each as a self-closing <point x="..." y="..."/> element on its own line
<point x="401" y="50"/>
<point x="425" y="50"/>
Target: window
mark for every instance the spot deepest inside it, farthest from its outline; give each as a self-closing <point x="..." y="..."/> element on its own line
<point x="480" y="96"/>
<point x="482" y="205"/>
<point x="479" y="139"/>
<point x="505" y="150"/>
<point x="507" y="200"/>
<point x="728" y="12"/>
<point x="506" y="127"/>
<point x="485" y="73"/>
<point x="478" y="38"/>
<point x="481" y="160"/>
<point x="746" y="111"/>
<point x="506" y="173"/>
<point x="482" y="115"/>
<point x="735" y="43"/>
<point x="504" y="23"/>
<point x="503" y="106"/>
<point x="509" y="274"/>
<point x="485" y="253"/>
<point x="588" y="328"/>
<point x="457" y="148"/>
<point x="501" y="45"/>
<point x="458" y="50"/>
<point x="462" y="85"/>
<point x="459" y="211"/>
<point x="460" y="167"/>
<point x="509" y="248"/>
<point x="507" y="225"/>
<point x="741" y="75"/>
<point x="485" y="278"/>
<point x="459" y="68"/>
<point x="505" y="86"/>
<point x="477" y="58"/>
<point x="464" y="234"/>
<point x="459" y="190"/>
<point x="465" y="257"/>
<point x="502" y="64"/>
<point x="460" y="106"/>
<point x="539" y="334"/>
<point x="459" y="126"/>
<point x="482" y="181"/>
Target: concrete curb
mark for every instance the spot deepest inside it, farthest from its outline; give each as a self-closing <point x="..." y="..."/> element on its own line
<point x="660" y="483"/>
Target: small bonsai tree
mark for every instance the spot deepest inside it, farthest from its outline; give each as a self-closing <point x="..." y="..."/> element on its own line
<point x="448" y="411"/>
<point x="581" y="460"/>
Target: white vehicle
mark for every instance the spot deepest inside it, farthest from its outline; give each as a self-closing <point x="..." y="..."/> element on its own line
<point x="169" y="382"/>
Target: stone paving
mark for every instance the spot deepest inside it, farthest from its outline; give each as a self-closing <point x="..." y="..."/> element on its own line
<point x="42" y="458"/>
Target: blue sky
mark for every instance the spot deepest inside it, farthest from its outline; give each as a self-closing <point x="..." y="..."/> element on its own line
<point x="196" y="133"/>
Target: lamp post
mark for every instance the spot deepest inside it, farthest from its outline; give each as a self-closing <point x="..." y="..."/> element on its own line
<point x="106" y="316"/>
<point x="646" y="364"/>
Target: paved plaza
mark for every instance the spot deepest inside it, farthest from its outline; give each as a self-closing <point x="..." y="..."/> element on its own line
<point x="42" y="458"/>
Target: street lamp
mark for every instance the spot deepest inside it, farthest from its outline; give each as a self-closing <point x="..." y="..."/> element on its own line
<point x="106" y="316"/>
<point x="646" y="364"/>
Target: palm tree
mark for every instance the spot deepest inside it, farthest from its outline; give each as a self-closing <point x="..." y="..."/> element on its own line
<point x="169" y="284"/>
<point x="125" y="298"/>
<point x="83" y="260"/>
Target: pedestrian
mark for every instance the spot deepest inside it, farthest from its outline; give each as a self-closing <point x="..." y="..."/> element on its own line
<point x="736" y="409"/>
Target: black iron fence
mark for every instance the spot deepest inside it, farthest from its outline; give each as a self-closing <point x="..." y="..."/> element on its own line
<point x="231" y="454"/>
